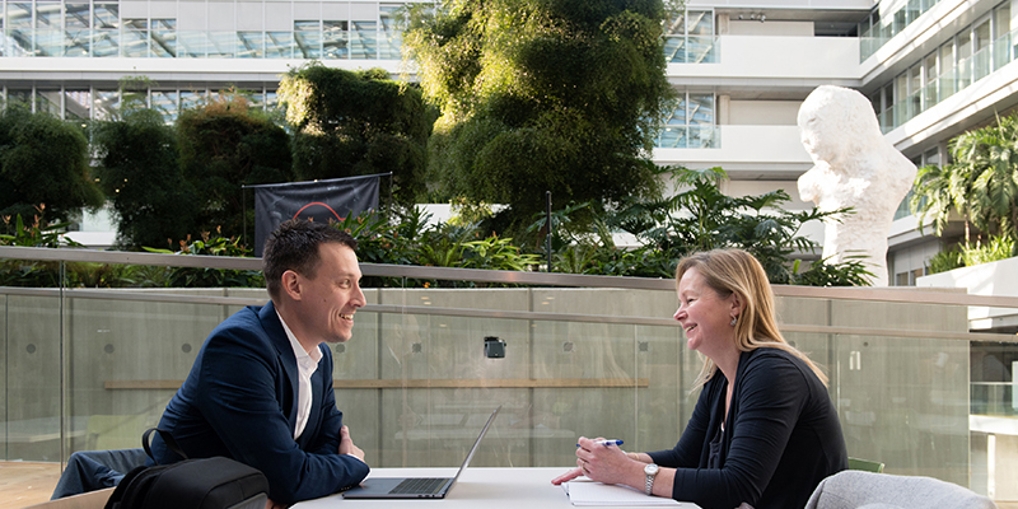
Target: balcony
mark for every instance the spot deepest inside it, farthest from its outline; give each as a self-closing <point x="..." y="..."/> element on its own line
<point x="746" y="61"/>
<point x="91" y="368"/>
<point x="767" y="150"/>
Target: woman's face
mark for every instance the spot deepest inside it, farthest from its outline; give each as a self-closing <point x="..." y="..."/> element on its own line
<point x="705" y="316"/>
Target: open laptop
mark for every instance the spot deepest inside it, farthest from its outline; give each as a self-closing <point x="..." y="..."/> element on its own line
<point x="416" y="487"/>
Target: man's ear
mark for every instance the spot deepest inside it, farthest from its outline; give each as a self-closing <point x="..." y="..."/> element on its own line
<point x="291" y="285"/>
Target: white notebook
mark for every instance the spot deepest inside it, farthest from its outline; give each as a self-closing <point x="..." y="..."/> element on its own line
<point x="584" y="492"/>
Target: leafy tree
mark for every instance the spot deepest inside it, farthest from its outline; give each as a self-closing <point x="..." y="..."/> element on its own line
<point x="357" y="123"/>
<point x="224" y="145"/>
<point x="541" y="95"/>
<point x="981" y="184"/>
<point x="43" y="160"/>
<point x="139" y="171"/>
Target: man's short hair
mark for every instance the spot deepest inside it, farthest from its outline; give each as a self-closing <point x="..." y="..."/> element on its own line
<point x="294" y="246"/>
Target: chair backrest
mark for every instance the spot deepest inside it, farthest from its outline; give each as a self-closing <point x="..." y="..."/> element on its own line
<point x="865" y="465"/>
<point x="852" y="489"/>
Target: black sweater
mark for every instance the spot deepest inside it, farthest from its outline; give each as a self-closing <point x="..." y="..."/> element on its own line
<point x="781" y="438"/>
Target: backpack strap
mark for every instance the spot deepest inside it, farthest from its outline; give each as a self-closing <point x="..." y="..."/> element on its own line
<point x="171" y="444"/>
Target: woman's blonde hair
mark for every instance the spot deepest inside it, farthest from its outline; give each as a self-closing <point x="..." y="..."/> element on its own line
<point x="729" y="271"/>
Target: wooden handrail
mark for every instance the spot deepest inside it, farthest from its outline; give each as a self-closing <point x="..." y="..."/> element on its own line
<point x="432" y="383"/>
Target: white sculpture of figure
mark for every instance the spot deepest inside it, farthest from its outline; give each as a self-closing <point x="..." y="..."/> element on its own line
<point x="854" y="166"/>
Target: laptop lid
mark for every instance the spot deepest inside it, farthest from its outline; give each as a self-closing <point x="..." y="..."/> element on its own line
<point x="382" y="487"/>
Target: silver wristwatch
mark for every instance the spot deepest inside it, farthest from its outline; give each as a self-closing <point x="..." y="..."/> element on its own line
<point x="651" y="472"/>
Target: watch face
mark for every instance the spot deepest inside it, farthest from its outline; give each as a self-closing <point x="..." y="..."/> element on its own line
<point x="650" y="469"/>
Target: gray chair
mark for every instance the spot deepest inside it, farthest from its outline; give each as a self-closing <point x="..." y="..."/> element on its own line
<point x="855" y="489"/>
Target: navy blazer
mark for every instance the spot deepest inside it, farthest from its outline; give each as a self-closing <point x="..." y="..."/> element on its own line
<point x="240" y="401"/>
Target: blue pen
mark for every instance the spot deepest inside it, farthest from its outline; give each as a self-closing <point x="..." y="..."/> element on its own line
<point x="607" y="443"/>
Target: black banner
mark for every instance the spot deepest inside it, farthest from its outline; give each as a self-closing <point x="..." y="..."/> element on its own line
<point x="322" y="200"/>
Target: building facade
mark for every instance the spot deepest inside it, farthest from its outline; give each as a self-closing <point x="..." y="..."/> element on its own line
<point x="931" y="69"/>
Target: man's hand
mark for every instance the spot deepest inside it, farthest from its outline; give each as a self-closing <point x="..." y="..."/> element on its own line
<point x="269" y="504"/>
<point x="346" y="445"/>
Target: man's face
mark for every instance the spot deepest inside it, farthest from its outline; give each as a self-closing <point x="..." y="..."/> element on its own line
<point x="329" y="300"/>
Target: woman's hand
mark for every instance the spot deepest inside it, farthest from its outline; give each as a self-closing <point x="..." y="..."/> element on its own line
<point x="568" y="476"/>
<point x="607" y="464"/>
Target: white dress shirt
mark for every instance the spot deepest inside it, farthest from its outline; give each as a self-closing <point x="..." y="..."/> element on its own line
<point x="307" y="364"/>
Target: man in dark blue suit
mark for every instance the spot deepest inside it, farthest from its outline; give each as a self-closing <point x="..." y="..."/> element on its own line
<point x="260" y="390"/>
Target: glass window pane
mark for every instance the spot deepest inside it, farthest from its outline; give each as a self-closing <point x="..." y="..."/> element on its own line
<point x="19" y="98"/>
<point x="106" y="27"/>
<point x="701" y="23"/>
<point x="77" y="105"/>
<point x="701" y="109"/>
<point x="105" y="104"/>
<point x="19" y="26"/>
<point x="164" y="38"/>
<point x="1002" y="21"/>
<point x="76" y="32"/>
<point x="677" y="25"/>
<point x="48" y="101"/>
<point x="334" y="43"/>
<point x="134" y="42"/>
<point x="49" y="36"/>
<point x="982" y="35"/>
<point x="308" y="35"/>
<point x="191" y="99"/>
<point x="165" y="102"/>
<point x="391" y="36"/>
<point x="364" y="40"/>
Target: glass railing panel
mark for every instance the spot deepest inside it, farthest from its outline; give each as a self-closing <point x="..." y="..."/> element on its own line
<point x="192" y="43"/>
<point x="223" y="44"/>
<point x="994" y="379"/>
<point x="1001" y="51"/>
<point x="415" y="385"/>
<point x="886" y="119"/>
<point x="947" y="85"/>
<point x="250" y="44"/>
<point x="981" y="64"/>
<point x="704" y="136"/>
<point x="30" y="427"/>
<point x="703" y="49"/>
<point x="279" y="45"/>
<point x="930" y="94"/>
<point x="672" y="137"/>
<point x="964" y="73"/>
<point x="675" y="49"/>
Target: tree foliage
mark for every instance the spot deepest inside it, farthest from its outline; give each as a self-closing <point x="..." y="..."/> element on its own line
<point x="981" y="184"/>
<point x="541" y="95"/>
<point x="699" y="218"/>
<point x="357" y="123"/>
<point x="223" y="146"/>
<point x="43" y="160"/>
<point x="138" y="169"/>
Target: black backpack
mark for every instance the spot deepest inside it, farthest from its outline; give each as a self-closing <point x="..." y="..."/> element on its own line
<point x="209" y="483"/>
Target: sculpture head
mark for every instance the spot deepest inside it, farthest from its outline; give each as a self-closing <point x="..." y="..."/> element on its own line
<point x="837" y="121"/>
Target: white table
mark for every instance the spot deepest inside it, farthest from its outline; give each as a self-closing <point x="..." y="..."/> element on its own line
<point x="490" y="488"/>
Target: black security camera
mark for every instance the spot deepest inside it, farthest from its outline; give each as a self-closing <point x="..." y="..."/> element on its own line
<point x="494" y="348"/>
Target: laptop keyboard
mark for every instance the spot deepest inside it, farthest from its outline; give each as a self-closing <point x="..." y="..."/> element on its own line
<point x="419" y="485"/>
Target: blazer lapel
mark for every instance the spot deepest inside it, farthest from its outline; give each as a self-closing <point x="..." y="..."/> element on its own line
<point x="277" y="336"/>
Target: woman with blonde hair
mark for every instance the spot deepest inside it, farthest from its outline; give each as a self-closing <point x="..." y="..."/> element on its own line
<point x="764" y="431"/>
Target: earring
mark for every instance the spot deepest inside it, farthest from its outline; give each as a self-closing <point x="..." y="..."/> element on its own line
<point x="735" y="319"/>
